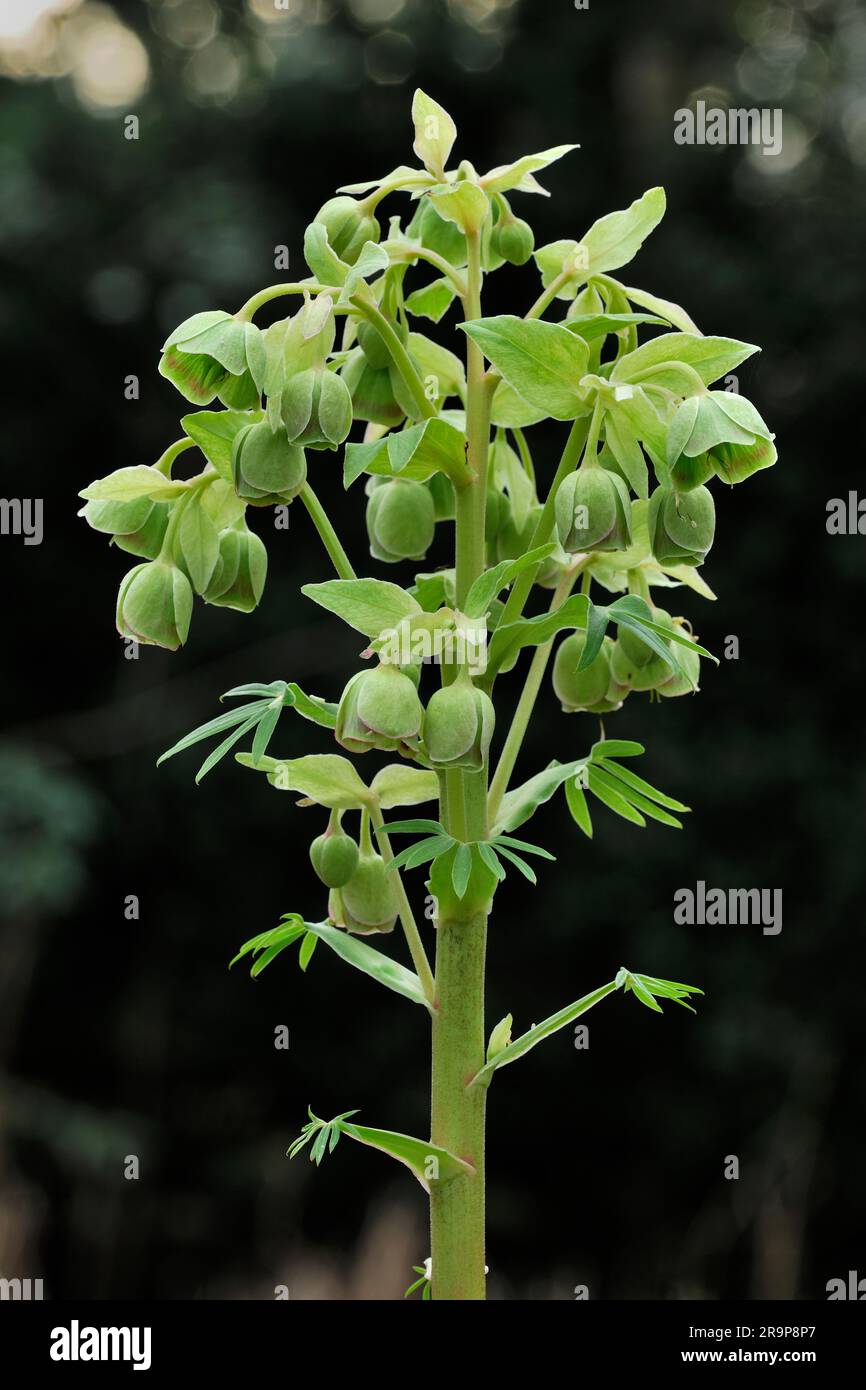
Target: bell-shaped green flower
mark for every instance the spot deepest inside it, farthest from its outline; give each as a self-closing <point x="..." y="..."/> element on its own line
<point x="117" y="518"/>
<point x="593" y="511"/>
<point x="266" y="468"/>
<point x="733" y="463"/>
<point x="334" y="855"/>
<point x="238" y="580"/>
<point x="316" y="408"/>
<point x="458" y="725"/>
<point x="368" y="901"/>
<point x="215" y="354"/>
<point x="380" y="709"/>
<point x="348" y="226"/>
<point x="681" y="525"/>
<point x="154" y="605"/>
<point x="580" y="690"/>
<point x="401" y="520"/>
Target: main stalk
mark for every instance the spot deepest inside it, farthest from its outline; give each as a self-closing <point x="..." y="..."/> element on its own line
<point x="458" y="1111"/>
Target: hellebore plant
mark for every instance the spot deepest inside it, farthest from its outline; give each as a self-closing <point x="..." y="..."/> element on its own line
<point x="445" y="439"/>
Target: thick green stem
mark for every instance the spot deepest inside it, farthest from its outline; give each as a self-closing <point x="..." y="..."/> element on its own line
<point x="330" y="540"/>
<point x="457" y="1114"/>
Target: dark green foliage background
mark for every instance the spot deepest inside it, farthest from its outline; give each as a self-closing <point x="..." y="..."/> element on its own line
<point x="117" y="1037"/>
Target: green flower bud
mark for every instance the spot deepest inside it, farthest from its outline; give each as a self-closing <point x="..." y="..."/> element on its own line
<point x="514" y="240"/>
<point x="593" y="511"/>
<point x="316" y="408"/>
<point x="266" y="468"/>
<point x="580" y="690"/>
<point x="154" y="605"/>
<point x="147" y="540"/>
<point x="348" y="226"/>
<point x="458" y="725"/>
<point x="334" y="856"/>
<point x="634" y="663"/>
<point x="681" y="526"/>
<point x="239" y="578"/>
<point x="401" y="520"/>
<point x="371" y="391"/>
<point x="379" y="709"/>
<point x="203" y="355"/>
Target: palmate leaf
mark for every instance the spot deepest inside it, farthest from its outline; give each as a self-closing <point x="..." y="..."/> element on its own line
<point x="261" y="714"/>
<point x="646" y="988"/>
<point x="620" y="789"/>
<point x="428" y="1162"/>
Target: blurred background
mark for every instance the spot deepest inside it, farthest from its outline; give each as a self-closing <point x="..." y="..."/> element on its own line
<point x="122" y="1033"/>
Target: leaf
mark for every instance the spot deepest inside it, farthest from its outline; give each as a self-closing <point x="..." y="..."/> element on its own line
<point x="267" y="945"/>
<point x="214" y="432"/>
<point x="522" y="803"/>
<point x="372" y="261"/>
<point x="370" y="606"/>
<point x="500" y="1037"/>
<point x="311" y="707"/>
<point x="542" y="361"/>
<point x="518" y="175"/>
<point x="265" y="728"/>
<point x="325" y="778"/>
<point x="399" y="785"/>
<point x="627" y="452"/>
<point x="129" y="484"/>
<point x="432" y="301"/>
<point x="618" y="748"/>
<point x="614" y="240"/>
<point x="427" y="448"/>
<point x="228" y="743"/>
<point x="376" y="964"/>
<point x="464" y="204"/>
<point x="461" y="870"/>
<point x="632" y="608"/>
<point x="199" y="544"/>
<point x="435" y="361"/>
<point x="576" y="800"/>
<point x="600" y="786"/>
<point x="516" y="860"/>
<point x="238" y="715"/>
<point x="308" y="946"/>
<point x="511" y="411"/>
<point x="488" y="585"/>
<point x="655" y="988"/>
<point x="539" y="1032"/>
<point x="435" y="133"/>
<point x="409" y="827"/>
<point x="636" y="783"/>
<point x="525" y="846"/>
<point x="429" y="1162"/>
<point x="422" y="852"/>
<point x="508" y="640"/>
<point x="711" y="358"/>
<point x="665" y="307"/>
<point x="590" y="326"/>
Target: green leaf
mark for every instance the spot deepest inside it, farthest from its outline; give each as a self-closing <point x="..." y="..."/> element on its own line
<point x="311" y="707"/>
<point x="519" y="174"/>
<point x="623" y="444"/>
<point x="636" y="783"/>
<point x="432" y="301"/>
<point x="399" y="785"/>
<point x="198" y="542"/>
<point x="464" y="204"/>
<point x="370" y="606"/>
<point x="525" y="846"/>
<point x="614" y="240"/>
<point x="216" y="754"/>
<point x="710" y="358"/>
<point x="488" y="585"/>
<point x="268" y="944"/>
<point x="264" y="730"/>
<point x="511" y="411"/>
<point x="500" y="1037"/>
<point x="308" y="946"/>
<point x="542" y="361"/>
<point x="376" y="964"/>
<point x="325" y="778"/>
<point x="618" y="748"/>
<point x="576" y="800"/>
<point x="214" y="432"/>
<point x="410" y="827"/>
<point x="129" y="484"/>
<point x="427" y="1161"/>
<point x="666" y="308"/>
<point x="228" y="720"/>
<point x="435" y="133"/>
<point x="600" y="786"/>
<point x="519" y="805"/>
<point x="461" y="870"/>
<point x="433" y="446"/>
<point x="516" y="860"/>
<point x="508" y="640"/>
<point x="589" y="326"/>
<point x="655" y="988"/>
<point x="539" y="1032"/>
